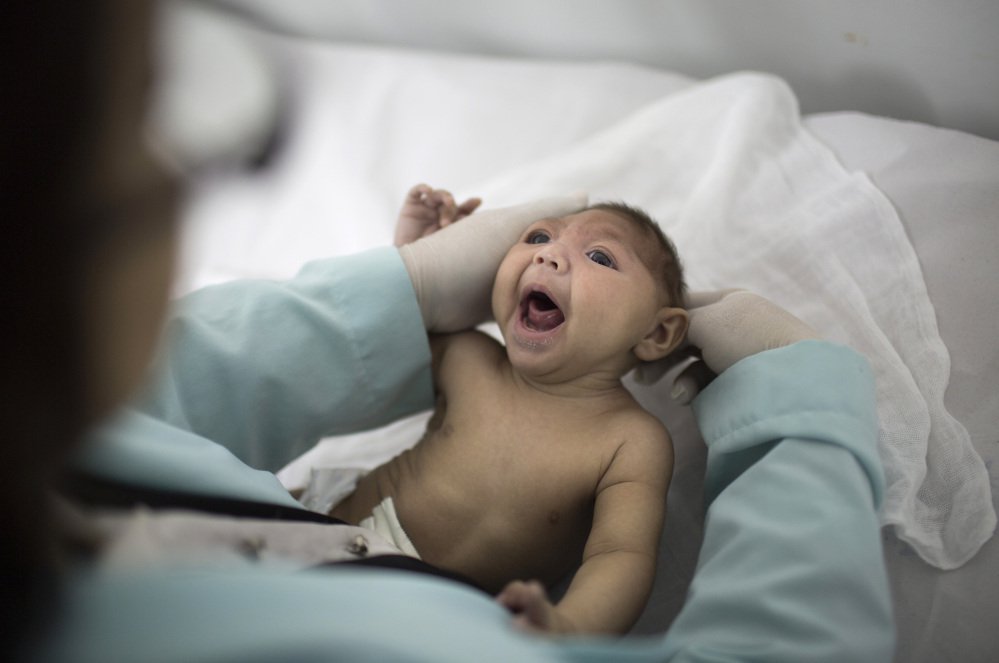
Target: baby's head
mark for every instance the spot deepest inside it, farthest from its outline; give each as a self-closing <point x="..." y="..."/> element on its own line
<point x="657" y="251"/>
<point x="596" y="291"/>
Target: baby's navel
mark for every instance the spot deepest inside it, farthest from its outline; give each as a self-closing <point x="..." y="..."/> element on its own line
<point x="553" y="517"/>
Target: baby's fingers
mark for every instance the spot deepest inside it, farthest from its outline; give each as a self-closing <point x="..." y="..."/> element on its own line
<point x="518" y="594"/>
<point x="446" y="208"/>
<point x="528" y="601"/>
<point x="418" y="193"/>
<point x="467" y="208"/>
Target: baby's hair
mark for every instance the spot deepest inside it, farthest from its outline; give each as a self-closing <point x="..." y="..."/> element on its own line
<point x="667" y="264"/>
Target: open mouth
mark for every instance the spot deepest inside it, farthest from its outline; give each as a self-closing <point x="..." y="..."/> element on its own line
<point x="539" y="312"/>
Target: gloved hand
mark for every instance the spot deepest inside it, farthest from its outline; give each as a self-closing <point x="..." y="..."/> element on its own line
<point x="725" y="326"/>
<point x="453" y="269"/>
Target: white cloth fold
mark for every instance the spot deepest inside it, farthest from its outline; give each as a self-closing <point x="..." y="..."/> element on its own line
<point x="753" y="200"/>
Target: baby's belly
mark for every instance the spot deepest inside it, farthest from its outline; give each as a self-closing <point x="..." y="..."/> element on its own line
<point x="489" y="534"/>
<point x="472" y="523"/>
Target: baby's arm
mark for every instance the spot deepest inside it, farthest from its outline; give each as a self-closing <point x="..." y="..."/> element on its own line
<point x="611" y="587"/>
<point x="426" y="210"/>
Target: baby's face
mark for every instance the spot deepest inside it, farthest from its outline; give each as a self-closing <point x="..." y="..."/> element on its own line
<point x="573" y="297"/>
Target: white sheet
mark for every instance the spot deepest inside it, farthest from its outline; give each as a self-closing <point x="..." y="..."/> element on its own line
<point x="723" y="165"/>
<point x="945" y="186"/>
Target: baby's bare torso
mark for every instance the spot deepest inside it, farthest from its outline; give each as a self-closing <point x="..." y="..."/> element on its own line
<point x="502" y="485"/>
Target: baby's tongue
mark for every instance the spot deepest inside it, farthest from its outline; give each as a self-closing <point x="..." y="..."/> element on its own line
<point x="543" y="315"/>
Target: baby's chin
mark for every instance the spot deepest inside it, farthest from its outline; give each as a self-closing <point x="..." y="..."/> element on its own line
<point x="527" y="347"/>
<point x="531" y="357"/>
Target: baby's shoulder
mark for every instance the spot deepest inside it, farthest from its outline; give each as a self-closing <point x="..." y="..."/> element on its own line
<point x="643" y="455"/>
<point x="633" y="419"/>
<point x="640" y="434"/>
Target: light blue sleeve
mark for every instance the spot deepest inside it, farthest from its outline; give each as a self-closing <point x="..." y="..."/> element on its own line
<point x="266" y="368"/>
<point x="791" y="568"/>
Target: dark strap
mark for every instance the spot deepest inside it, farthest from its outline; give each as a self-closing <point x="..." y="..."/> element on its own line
<point x="102" y="492"/>
<point x="99" y="491"/>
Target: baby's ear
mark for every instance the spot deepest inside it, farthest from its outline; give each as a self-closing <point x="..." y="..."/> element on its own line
<point x="668" y="333"/>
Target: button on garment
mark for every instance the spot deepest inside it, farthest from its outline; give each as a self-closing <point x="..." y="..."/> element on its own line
<point x="358" y="546"/>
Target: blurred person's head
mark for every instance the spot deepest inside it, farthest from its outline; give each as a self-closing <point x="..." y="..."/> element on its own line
<point x="87" y="257"/>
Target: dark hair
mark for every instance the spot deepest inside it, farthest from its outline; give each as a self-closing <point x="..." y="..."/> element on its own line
<point x="665" y="263"/>
<point x="49" y="50"/>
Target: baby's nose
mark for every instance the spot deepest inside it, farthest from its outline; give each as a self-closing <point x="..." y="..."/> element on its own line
<point x="550" y="256"/>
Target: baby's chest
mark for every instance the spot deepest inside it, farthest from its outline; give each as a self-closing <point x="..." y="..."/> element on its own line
<point x="543" y="456"/>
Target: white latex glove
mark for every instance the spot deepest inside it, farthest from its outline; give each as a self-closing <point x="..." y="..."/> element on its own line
<point x="453" y="269"/>
<point x="725" y="326"/>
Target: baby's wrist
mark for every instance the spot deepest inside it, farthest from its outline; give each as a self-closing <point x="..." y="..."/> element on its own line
<point x="563" y="624"/>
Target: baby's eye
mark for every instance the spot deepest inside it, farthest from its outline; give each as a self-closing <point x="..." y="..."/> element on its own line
<point x="538" y="237"/>
<point x="601" y="258"/>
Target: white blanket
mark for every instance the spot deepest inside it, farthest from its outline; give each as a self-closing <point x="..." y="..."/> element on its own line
<point x="751" y="199"/>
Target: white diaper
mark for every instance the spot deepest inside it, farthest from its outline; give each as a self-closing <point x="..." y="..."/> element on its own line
<point x="328" y="486"/>
<point x="384" y="521"/>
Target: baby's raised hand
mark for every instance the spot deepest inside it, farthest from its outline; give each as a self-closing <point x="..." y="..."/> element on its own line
<point x="426" y="210"/>
<point x="528" y="601"/>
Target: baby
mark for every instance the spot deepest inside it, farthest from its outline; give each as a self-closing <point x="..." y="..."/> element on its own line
<point x="537" y="459"/>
